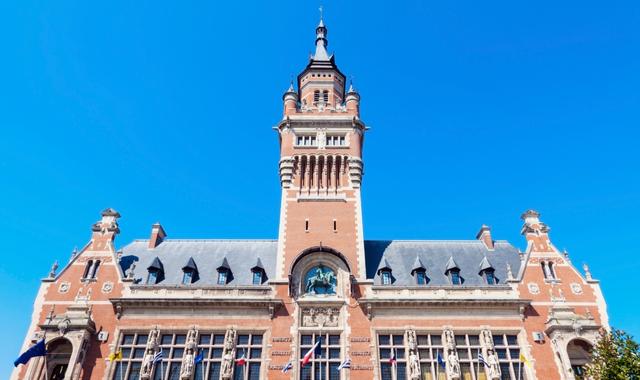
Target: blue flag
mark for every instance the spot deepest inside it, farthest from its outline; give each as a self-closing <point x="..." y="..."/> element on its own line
<point x="199" y="358"/>
<point x="39" y="349"/>
<point x="440" y="361"/>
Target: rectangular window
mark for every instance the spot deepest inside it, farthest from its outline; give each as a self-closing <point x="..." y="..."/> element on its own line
<point x="491" y="279"/>
<point x="335" y="140"/>
<point x="335" y="225"/>
<point x="222" y="277"/>
<point x="386" y="277"/>
<point x="388" y="345"/>
<point x="249" y="345"/>
<point x="455" y="277"/>
<point x="306" y="140"/>
<point x="325" y="365"/>
<point x="186" y="277"/>
<point x="257" y="277"/>
<point x="153" y="277"/>
<point x="306" y="225"/>
<point x="421" y="278"/>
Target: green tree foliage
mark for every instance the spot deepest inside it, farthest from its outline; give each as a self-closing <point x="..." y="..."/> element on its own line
<point x="615" y="357"/>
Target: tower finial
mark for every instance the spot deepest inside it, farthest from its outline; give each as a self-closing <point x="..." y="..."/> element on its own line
<point x="321" y="9"/>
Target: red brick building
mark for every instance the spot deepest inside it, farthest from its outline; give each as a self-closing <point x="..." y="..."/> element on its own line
<point x="434" y="306"/>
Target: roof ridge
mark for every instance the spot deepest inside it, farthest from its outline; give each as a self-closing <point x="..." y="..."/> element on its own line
<point x="205" y="240"/>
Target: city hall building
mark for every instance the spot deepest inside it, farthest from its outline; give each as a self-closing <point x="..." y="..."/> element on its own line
<point x="161" y="308"/>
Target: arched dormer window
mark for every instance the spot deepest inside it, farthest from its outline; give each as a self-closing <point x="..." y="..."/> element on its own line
<point x="258" y="274"/>
<point x="453" y="272"/>
<point x="224" y="272"/>
<point x="190" y="272"/>
<point x="419" y="272"/>
<point x="156" y="272"/>
<point x="487" y="272"/>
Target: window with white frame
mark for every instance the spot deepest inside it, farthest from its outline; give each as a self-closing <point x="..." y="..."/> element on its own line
<point x="336" y="140"/>
<point x="249" y="346"/>
<point x="325" y="365"/>
<point x="306" y="140"/>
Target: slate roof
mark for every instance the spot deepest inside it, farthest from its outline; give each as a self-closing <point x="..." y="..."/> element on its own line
<point x="239" y="255"/>
<point x="468" y="255"/>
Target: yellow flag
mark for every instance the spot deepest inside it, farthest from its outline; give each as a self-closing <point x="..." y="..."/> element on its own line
<point x="115" y="356"/>
<point x="524" y="359"/>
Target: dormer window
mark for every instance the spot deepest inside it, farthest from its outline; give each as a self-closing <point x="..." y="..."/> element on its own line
<point x="419" y="272"/>
<point x="385" y="275"/>
<point x="489" y="276"/>
<point x="190" y="272"/>
<point x="257" y="277"/>
<point x="421" y="277"/>
<point x="223" y="275"/>
<point x="156" y="272"/>
<point x="454" y="275"/>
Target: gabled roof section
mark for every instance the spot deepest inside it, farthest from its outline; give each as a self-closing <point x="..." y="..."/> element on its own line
<point x="207" y="254"/>
<point x="224" y="264"/>
<point x="485" y="264"/>
<point x="258" y="264"/>
<point x="451" y="264"/>
<point x="191" y="264"/>
<point x="417" y="265"/>
<point x="156" y="264"/>
<point x="384" y="264"/>
<point x="401" y="255"/>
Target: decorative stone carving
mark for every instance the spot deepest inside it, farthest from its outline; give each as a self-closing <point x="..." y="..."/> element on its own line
<point x="320" y="317"/>
<point x="576" y="288"/>
<point x="130" y="272"/>
<point x="414" y="359"/>
<point x="587" y="272"/>
<point x="54" y="268"/>
<point x="493" y="366"/>
<point x="453" y="365"/>
<point x="107" y="287"/>
<point x="153" y="344"/>
<point x="64" y="287"/>
<point x="63" y="325"/>
<point x="228" y="355"/>
<point x="188" y="365"/>
<point x="533" y="288"/>
<point x="411" y="338"/>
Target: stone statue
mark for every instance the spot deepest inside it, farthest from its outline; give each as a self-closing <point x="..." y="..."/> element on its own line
<point x="453" y="366"/>
<point x="187" y="368"/>
<point x="494" y="367"/>
<point x="130" y="272"/>
<point x="153" y="342"/>
<point x="226" y="370"/>
<point x="54" y="268"/>
<point x="449" y="339"/>
<point x="322" y="282"/>
<point x="414" y="366"/>
<point x="486" y="339"/>
<point x="411" y="338"/>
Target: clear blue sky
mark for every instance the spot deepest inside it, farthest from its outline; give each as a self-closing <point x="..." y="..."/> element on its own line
<point x="163" y="111"/>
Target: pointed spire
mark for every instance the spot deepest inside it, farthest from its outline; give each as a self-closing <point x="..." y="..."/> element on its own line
<point x="191" y="264"/>
<point x="258" y="264"/>
<point x="156" y="264"/>
<point x="321" y="41"/>
<point x="451" y="264"/>
<point x="224" y="264"/>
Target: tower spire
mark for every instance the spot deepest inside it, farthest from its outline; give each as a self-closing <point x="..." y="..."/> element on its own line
<point x="321" y="40"/>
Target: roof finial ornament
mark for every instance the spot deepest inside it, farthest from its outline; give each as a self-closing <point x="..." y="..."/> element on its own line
<point x="321" y="9"/>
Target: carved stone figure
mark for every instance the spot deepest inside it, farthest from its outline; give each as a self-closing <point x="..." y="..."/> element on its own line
<point x="453" y="366"/>
<point x="153" y="342"/>
<point x="449" y="339"/>
<point x="486" y="339"/>
<point x="187" y="368"/>
<point x="411" y="338"/>
<point x="414" y="366"/>
<point x="54" y="268"/>
<point x="323" y="281"/>
<point x="226" y="370"/>
<point x="320" y="317"/>
<point x="494" y="367"/>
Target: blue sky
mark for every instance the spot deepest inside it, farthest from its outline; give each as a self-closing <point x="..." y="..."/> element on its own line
<point x="163" y="111"/>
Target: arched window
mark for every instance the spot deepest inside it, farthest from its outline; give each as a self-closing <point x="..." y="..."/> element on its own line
<point x="58" y="357"/>
<point x="87" y="269"/>
<point x="320" y="280"/>
<point x="579" y="352"/>
<point x="552" y="271"/>
<point x="316" y="96"/>
<point x="325" y="96"/>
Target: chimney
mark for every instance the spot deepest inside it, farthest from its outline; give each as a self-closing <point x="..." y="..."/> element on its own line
<point x="484" y="235"/>
<point x="157" y="235"/>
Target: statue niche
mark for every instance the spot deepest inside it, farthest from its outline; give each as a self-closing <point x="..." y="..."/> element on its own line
<point x="320" y="280"/>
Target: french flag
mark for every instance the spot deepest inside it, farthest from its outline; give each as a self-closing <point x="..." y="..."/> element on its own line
<point x="309" y="354"/>
<point x="242" y="360"/>
<point x="392" y="359"/>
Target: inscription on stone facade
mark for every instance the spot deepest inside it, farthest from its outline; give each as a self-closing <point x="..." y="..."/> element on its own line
<point x="365" y="367"/>
<point x="320" y="317"/>
<point x="360" y="353"/>
<point x="280" y="353"/>
<point x="360" y="339"/>
<point x="281" y="339"/>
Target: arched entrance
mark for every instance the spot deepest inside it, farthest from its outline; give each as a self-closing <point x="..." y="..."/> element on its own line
<point x="579" y="353"/>
<point x="58" y="356"/>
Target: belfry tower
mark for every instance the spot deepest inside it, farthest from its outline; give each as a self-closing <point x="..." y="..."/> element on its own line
<point x="321" y="138"/>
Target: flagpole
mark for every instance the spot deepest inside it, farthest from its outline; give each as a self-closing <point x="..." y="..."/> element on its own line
<point x="519" y="368"/>
<point x="437" y="365"/>
<point x="478" y="366"/>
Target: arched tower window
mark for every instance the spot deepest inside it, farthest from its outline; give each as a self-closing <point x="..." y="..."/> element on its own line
<point x="325" y="96"/>
<point x="316" y="96"/>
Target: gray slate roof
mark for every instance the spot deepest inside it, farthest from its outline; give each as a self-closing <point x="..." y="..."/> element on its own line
<point x="467" y="255"/>
<point x="207" y="255"/>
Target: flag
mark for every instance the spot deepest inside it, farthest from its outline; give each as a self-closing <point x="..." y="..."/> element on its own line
<point x="345" y="364"/>
<point x="38" y="349"/>
<point x="287" y="367"/>
<point x="481" y="360"/>
<point x="441" y="361"/>
<point x="242" y="360"/>
<point x="115" y="356"/>
<point x="199" y="358"/>
<point x="524" y="359"/>
<point x="309" y="353"/>
<point x="393" y="360"/>
<point x="319" y="347"/>
<point x="158" y="357"/>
